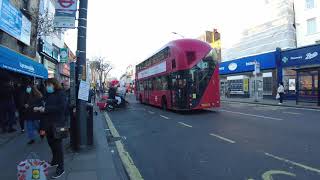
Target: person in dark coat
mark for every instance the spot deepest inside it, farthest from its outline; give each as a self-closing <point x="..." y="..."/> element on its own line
<point x="31" y="99"/>
<point x="19" y="93"/>
<point x="7" y="105"/>
<point x="112" y="92"/>
<point x="54" y="115"/>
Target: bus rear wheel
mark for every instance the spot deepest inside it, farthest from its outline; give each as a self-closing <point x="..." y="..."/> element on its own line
<point x="140" y="99"/>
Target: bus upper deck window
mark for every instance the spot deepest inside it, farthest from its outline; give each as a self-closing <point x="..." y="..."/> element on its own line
<point x="173" y="64"/>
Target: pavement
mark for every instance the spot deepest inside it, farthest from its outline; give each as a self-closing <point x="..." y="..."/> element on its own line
<point x="238" y="141"/>
<point x="273" y="102"/>
<point x="99" y="162"/>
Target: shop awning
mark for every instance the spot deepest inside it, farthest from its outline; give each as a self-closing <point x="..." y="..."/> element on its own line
<point x="20" y="63"/>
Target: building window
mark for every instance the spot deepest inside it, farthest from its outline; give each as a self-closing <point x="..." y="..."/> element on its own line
<point x="311" y="26"/>
<point x="309" y="4"/>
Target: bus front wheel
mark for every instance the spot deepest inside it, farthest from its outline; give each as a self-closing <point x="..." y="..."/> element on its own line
<point x="140" y="99"/>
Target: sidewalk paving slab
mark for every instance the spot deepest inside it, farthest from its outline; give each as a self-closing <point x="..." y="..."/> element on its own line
<point x="92" y="163"/>
<point x="271" y="102"/>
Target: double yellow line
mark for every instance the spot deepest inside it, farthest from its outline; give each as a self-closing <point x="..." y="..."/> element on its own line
<point x="125" y="157"/>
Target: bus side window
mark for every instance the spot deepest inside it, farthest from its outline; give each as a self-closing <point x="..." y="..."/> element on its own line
<point x="164" y="83"/>
<point x="141" y="86"/>
<point x="150" y="84"/>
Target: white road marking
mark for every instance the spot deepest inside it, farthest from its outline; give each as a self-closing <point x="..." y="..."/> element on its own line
<point x="164" y="117"/>
<point x="286" y="112"/>
<point x="223" y="138"/>
<point x="293" y="163"/>
<point x="253" y="115"/>
<point x="151" y="112"/>
<point x="184" y="124"/>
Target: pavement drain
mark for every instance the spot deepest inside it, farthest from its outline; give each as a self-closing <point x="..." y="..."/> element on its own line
<point x="111" y="139"/>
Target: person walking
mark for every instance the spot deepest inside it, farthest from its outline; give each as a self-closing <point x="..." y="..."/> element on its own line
<point x="31" y="99"/>
<point x="54" y="116"/>
<point x="281" y="92"/>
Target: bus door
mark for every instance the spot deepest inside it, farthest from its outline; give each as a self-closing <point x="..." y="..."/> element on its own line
<point x="147" y="90"/>
<point x="179" y="94"/>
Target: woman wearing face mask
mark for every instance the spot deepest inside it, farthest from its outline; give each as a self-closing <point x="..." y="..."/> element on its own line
<point x="32" y="98"/>
<point x="53" y="116"/>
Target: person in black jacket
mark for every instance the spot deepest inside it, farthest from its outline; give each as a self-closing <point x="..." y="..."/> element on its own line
<point x="31" y="99"/>
<point x="54" y="116"/>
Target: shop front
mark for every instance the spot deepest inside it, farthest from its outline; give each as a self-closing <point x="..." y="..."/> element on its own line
<point x="300" y="74"/>
<point x="237" y="77"/>
<point x="18" y="63"/>
<point x="50" y="58"/>
<point x="64" y="70"/>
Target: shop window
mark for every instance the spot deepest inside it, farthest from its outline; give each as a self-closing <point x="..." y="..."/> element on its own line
<point x="267" y="86"/>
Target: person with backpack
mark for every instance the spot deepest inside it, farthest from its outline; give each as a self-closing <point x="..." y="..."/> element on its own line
<point x="53" y="118"/>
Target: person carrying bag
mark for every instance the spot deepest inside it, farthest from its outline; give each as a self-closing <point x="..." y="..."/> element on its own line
<point x="53" y="124"/>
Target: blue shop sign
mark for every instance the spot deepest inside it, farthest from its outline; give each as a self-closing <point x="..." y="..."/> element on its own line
<point x="302" y="56"/>
<point x="19" y="63"/>
<point x="13" y="22"/>
<point x="246" y="64"/>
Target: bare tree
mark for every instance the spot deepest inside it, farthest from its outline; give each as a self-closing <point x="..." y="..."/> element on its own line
<point x="44" y="22"/>
<point x="101" y="67"/>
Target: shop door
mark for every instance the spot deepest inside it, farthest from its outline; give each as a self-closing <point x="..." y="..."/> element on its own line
<point x="308" y="87"/>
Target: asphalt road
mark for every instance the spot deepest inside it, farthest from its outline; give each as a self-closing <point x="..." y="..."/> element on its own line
<point x="237" y="141"/>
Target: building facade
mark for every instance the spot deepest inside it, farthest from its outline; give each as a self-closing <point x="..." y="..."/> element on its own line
<point x="277" y="29"/>
<point x="50" y="44"/>
<point x="299" y="69"/>
<point x="307" y="15"/>
<point x="20" y="37"/>
<point x="18" y="43"/>
<point x="238" y="79"/>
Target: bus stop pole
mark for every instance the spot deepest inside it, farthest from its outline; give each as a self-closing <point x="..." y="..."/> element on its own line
<point x="81" y="111"/>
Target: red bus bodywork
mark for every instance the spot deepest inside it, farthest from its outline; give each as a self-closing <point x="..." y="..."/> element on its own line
<point x="184" y="75"/>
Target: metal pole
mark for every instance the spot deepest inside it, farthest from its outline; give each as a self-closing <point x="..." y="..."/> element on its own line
<point x="81" y="112"/>
<point x="255" y="82"/>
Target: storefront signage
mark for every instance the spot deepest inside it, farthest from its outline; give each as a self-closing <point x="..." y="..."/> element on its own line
<point x="292" y="84"/>
<point x="247" y="64"/>
<point x="232" y="66"/>
<point x="301" y="56"/>
<point x="47" y="48"/>
<point x="13" y="22"/>
<point x="153" y="70"/>
<point x="17" y="62"/>
<point x="64" y="55"/>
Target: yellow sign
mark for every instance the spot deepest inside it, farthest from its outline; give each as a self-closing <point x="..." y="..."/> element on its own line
<point x="35" y="174"/>
<point x="246" y="85"/>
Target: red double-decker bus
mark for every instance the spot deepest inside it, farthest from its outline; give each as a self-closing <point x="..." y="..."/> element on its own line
<point x="183" y="75"/>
